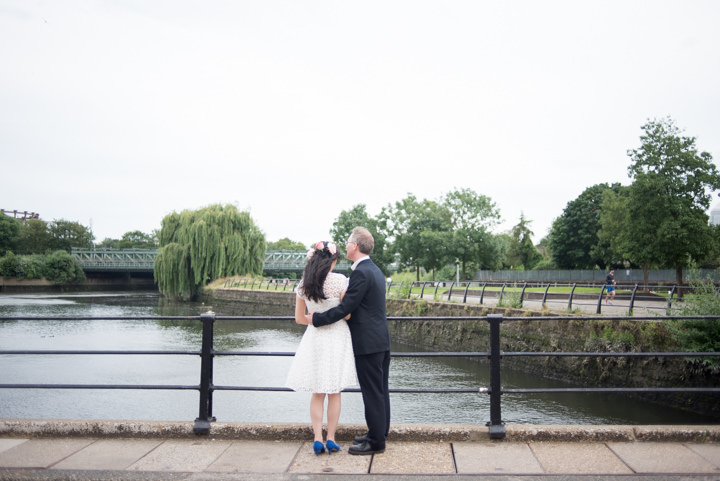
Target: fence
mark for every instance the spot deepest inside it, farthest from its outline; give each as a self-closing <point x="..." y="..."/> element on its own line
<point x="207" y="353"/>
<point x="632" y="276"/>
<point x="658" y="299"/>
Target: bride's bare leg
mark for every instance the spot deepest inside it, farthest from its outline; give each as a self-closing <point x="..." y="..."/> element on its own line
<point x="333" y="414"/>
<point x="317" y="407"/>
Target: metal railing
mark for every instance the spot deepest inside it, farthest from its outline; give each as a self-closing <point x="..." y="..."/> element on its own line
<point x="584" y="297"/>
<point x="207" y="354"/>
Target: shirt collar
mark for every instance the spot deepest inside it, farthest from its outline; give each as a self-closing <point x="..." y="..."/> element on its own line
<point x="355" y="264"/>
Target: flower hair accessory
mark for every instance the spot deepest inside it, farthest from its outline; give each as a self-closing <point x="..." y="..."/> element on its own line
<point x="330" y="246"/>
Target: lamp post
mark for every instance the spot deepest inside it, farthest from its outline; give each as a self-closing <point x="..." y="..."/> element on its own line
<point x="457" y="270"/>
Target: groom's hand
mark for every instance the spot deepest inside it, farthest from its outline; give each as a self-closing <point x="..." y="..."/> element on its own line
<point x="308" y="318"/>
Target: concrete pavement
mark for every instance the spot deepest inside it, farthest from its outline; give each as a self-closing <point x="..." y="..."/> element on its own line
<point x="50" y="449"/>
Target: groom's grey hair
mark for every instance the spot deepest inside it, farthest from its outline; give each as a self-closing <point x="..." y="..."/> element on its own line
<point x="364" y="239"/>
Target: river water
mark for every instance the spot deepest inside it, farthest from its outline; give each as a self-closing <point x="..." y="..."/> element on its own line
<point x="245" y="406"/>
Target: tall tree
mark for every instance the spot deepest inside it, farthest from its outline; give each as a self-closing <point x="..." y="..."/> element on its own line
<point x="34" y="237"/>
<point x="382" y="254"/>
<point x="66" y="234"/>
<point x="574" y="235"/>
<point x="521" y="250"/>
<point x="206" y="244"/>
<point x="675" y="180"/>
<point x="138" y="240"/>
<point x="285" y="244"/>
<point x="9" y="233"/>
<point x="472" y="216"/>
<point x="421" y="232"/>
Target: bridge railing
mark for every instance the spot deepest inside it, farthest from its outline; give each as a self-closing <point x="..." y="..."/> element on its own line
<point x="495" y="355"/>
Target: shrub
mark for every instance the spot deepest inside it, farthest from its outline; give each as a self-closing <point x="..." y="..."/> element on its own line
<point x="62" y="267"/>
<point x="8" y="264"/>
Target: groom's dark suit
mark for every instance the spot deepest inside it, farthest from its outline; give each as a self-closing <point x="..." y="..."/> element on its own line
<point x="365" y="300"/>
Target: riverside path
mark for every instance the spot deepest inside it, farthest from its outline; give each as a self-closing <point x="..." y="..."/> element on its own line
<point x="104" y="450"/>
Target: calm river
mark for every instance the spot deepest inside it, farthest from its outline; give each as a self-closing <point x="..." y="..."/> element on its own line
<point x="245" y="406"/>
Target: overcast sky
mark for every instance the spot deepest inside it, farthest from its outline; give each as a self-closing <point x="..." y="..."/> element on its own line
<point x="117" y="113"/>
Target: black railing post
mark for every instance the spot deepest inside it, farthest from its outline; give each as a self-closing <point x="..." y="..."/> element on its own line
<point x="545" y="295"/>
<point x="497" y="427"/>
<point x="522" y="294"/>
<point x="205" y="417"/>
<point x="599" y="305"/>
<point x="632" y="301"/>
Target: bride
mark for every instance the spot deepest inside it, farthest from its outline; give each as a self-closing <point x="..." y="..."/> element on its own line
<point x="324" y="363"/>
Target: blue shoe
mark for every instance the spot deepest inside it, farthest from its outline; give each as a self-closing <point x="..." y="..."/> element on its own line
<point x="318" y="448"/>
<point x="332" y="446"/>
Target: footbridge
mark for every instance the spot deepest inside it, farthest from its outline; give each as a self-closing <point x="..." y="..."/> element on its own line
<point x="277" y="262"/>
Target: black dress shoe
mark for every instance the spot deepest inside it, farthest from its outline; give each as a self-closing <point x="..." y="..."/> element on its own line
<point x="360" y="439"/>
<point x="364" y="449"/>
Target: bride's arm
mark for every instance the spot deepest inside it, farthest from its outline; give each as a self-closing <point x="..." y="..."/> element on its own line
<point x="300" y="311"/>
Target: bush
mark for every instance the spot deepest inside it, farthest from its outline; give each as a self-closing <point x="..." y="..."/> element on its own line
<point x="62" y="267"/>
<point x="699" y="335"/>
<point x="8" y="264"/>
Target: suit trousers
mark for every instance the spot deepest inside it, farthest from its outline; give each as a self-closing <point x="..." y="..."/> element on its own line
<point x="373" y="371"/>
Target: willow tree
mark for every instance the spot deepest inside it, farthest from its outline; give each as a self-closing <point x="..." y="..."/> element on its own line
<point x="201" y="245"/>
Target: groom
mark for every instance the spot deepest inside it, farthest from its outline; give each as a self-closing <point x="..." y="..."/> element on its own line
<point x="365" y="300"/>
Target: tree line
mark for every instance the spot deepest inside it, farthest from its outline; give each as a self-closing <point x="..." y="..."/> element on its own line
<point x="658" y="221"/>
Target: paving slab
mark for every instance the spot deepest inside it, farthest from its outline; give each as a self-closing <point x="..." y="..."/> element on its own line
<point x="6" y="444"/>
<point x="338" y="463"/>
<point x="41" y="453"/>
<point x="256" y="457"/>
<point x="711" y="452"/>
<point x="495" y="458"/>
<point x="109" y="454"/>
<point x="420" y="458"/>
<point x="653" y="457"/>
<point x="578" y="458"/>
<point x="182" y="455"/>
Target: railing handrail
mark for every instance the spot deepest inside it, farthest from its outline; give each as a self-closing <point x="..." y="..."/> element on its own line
<point x="495" y="354"/>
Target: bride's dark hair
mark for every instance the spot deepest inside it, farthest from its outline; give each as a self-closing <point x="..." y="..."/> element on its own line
<point x="317" y="269"/>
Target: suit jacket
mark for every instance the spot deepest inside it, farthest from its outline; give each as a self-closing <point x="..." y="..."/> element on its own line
<point x="365" y="300"/>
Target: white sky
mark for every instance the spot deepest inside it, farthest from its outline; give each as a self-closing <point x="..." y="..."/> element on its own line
<point x="116" y="113"/>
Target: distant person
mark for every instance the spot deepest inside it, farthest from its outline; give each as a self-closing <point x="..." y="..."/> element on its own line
<point x="324" y="363"/>
<point x="610" y="286"/>
<point x="365" y="299"/>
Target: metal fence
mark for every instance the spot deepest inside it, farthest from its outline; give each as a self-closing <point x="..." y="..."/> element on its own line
<point x="590" y="298"/>
<point x="207" y="354"/>
<point x="596" y="276"/>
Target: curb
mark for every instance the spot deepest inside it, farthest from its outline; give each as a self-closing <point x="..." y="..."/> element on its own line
<point x="68" y="428"/>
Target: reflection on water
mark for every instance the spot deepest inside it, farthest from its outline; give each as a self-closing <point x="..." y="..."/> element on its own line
<point x="248" y="371"/>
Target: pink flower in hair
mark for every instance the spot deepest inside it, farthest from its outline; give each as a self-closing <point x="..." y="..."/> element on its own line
<point x="320" y="246"/>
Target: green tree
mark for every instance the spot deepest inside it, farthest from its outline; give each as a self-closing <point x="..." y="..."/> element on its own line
<point x="472" y="217"/>
<point x="573" y="236"/>
<point x="9" y="233"/>
<point x="34" y="237"/>
<point x="521" y="250"/>
<point x="206" y="244"/>
<point x="675" y="180"/>
<point x="418" y="229"/>
<point x="138" y="240"/>
<point x="382" y="254"/>
<point x="285" y="244"/>
<point x="65" y="234"/>
<point x="619" y="231"/>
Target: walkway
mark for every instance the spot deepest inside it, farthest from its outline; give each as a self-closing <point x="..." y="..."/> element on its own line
<point x="80" y="450"/>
